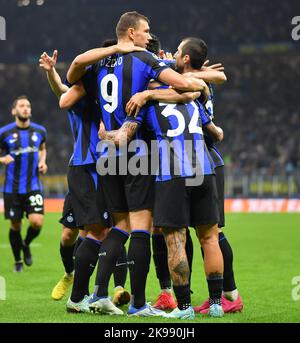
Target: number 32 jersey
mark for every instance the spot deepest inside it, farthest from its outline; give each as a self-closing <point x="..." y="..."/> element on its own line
<point x="179" y="140"/>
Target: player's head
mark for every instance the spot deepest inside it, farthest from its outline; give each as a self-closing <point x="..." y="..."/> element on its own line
<point x="109" y="42"/>
<point x="154" y="45"/>
<point x="191" y="52"/>
<point x="21" y="108"/>
<point x="135" y="27"/>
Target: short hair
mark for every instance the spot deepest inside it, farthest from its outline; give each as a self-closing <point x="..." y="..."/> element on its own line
<point x="127" y="20"/>
<point x="109" y="42"/>
<point x="21" y="97"/>
<point x="196" y="48"/>
<point x="154" y="45"/>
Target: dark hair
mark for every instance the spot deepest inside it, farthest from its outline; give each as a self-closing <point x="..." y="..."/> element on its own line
<point x="127" y="20"/>
<point x="21" y="97"/>
<point x="154" y="45"/>
<point x="196" y="48"/>
<point x="109" y="42"/>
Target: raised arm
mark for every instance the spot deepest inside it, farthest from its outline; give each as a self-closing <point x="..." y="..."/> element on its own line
<point x="72" y="96"/>
<point x="79" y="64"/>
<point x="48" y="63"/>
<point x="168" y="95"/>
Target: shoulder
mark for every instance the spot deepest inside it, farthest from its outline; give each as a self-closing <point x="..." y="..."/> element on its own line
<point x="146" y="57"/>
<point x="38" y="127"/>
<point x="8" y="127"/>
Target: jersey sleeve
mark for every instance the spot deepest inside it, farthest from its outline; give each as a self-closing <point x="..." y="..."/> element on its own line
<point x="205" y="118"/>
<point x="88" y="80"/>
<point x="153" y="66"/>
<point x="44" y="136"/>
<point x="2" y="144"/>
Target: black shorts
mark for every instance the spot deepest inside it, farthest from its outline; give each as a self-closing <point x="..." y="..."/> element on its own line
<point x="220" y="188"/>
<point x="68" y="218"/>
<point x="128" y="193"/>
<point x="85" y="197"/>
<point x="16" y="204"/>
<point x="178" y="205"/>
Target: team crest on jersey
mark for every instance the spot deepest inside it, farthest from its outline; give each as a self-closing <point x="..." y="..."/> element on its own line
<point x="34" y="137"/>
<point x="15" y="135"/>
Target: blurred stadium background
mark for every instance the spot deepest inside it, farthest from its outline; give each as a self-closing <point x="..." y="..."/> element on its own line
<point x="258" y="107"/>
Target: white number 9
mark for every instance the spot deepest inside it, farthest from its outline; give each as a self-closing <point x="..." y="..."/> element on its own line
<point x="113" y="98"/>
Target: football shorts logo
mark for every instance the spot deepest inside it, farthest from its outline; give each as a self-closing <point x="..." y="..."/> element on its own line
<point x="11" y="212"/>
<point x="105" y="215"/>
<point x="70" y="218"/>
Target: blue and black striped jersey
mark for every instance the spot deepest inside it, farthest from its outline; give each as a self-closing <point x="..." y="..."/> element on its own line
<point x="84" y="121"/>
<point x="118" y="78"/>
<point x="214" y="152"/>
<point x="23" y="145"/>
<point x="179" y="137"/>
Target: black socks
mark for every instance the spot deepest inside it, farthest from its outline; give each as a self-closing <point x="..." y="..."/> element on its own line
<point x="16" y="243"/>
<point x="139" y="255"/>
<point x="31" y="235"/>
<point x="108" y="255"/>
<point x="85" y="262"/>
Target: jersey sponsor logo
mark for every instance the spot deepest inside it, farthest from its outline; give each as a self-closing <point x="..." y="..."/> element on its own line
<point x="26" y="150"/>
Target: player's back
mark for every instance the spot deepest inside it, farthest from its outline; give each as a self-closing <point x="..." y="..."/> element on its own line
<point x="118" y="78"/>
<point x="178" y="131"/>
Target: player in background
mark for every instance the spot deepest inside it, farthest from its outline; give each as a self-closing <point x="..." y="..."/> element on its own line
<point x="122" y="76"/>
<point x="24" y="145"/>
<point x="83" y="121"/>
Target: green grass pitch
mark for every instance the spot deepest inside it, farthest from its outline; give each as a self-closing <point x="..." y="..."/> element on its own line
<point x="266" y="255"/>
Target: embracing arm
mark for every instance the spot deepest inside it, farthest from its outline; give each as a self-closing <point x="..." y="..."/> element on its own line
<point x="121" y="136"/>
<point x="72" y="96"/>
<point x="168" y="95"/>
<point x="79" y="64"/>
<point x="214" y="131"/>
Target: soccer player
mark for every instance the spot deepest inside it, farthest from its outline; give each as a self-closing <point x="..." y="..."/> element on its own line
<point x="118" y="77"/>
<point x="177" y="205"/>
<point x="24" y="145"/>
<point x="83" y="204"/>
<point x="231" y="300"/>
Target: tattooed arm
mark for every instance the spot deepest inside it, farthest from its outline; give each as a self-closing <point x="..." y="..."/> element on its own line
<point x="121" y="136"/>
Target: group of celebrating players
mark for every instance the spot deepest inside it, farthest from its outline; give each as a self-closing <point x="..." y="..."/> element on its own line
<point x="126" y="105"/>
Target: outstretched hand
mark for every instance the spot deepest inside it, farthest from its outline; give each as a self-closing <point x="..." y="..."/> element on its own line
<point x="46" y="62"/>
